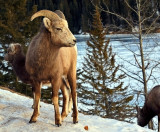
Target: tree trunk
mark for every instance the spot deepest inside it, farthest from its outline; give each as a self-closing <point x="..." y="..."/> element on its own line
<point x="150" y="125"/>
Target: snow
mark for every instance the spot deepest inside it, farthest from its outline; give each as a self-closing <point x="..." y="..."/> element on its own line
<point x="15" y="113"/>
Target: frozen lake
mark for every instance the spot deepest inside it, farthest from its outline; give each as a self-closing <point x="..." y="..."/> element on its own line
<point x="124" y="46"/>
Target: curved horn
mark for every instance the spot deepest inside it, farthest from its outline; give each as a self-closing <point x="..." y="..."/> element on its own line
<point x="60" y="14"/>
<point x="46" y="13"/>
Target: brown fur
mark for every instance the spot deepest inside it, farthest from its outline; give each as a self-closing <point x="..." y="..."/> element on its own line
<point x="51" y="56"/>
<point x="16" y="57"/>
<point x="151" y="108"/>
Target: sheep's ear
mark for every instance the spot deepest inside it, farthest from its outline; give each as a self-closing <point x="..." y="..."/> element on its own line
<point x="47" y="23"/>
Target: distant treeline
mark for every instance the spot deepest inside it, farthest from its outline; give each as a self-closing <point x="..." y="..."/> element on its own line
<point x="79" y="12"/>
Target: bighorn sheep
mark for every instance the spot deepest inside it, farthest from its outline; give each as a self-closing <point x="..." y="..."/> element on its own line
<point x="51" y="55"/>
<point x="151" y="108"/>
<point x="16" y="57"/>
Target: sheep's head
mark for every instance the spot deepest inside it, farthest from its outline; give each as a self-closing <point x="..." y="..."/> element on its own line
<point x="57" y="25"/>
<point x="12" y="50"/>
<point x="141" y="120"/>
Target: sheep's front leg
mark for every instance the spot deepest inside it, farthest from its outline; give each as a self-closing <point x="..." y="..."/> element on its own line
<point x="55" y="89"/>
<point x="36" y="102"/>
<point x="65" y="102"/>
<point x="72" y="82"/>
<point x="33" y="92"/>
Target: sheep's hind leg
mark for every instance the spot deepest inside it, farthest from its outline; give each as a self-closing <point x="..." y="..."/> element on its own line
<point x="65" y="80"/>
<point x="70" y="101"/>
<point x="65" y="102"/>
<point x="36" y="105"/>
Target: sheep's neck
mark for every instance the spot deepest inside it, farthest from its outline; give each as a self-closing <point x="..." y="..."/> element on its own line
<point x="19" y="60"/>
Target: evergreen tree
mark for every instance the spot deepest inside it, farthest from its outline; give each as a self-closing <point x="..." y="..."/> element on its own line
<point x="78" y="12"/>
<point x="87" y="9"/>
<point x="75" y="13"/>
<point x="101" y="85"/>
<point x="15" y="27"/>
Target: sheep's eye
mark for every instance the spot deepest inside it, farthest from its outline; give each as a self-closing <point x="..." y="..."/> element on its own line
<point x="59" y="29"/>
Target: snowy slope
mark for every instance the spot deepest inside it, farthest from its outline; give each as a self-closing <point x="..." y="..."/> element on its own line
<point x="15" y="112"/>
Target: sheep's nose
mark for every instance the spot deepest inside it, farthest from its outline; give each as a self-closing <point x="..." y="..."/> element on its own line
<point x="74" y="40"/>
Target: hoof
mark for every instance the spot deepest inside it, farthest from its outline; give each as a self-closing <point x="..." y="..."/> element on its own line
<point x="32" y="121"/>
<point x="58" y="125"/>
<point x="75" y="122"/>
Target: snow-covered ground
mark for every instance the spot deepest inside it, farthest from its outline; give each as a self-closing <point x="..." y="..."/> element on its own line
<point x="15" y="112"/>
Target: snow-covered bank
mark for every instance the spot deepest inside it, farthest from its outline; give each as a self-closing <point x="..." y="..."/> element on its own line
<point x="15" y="112"/>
